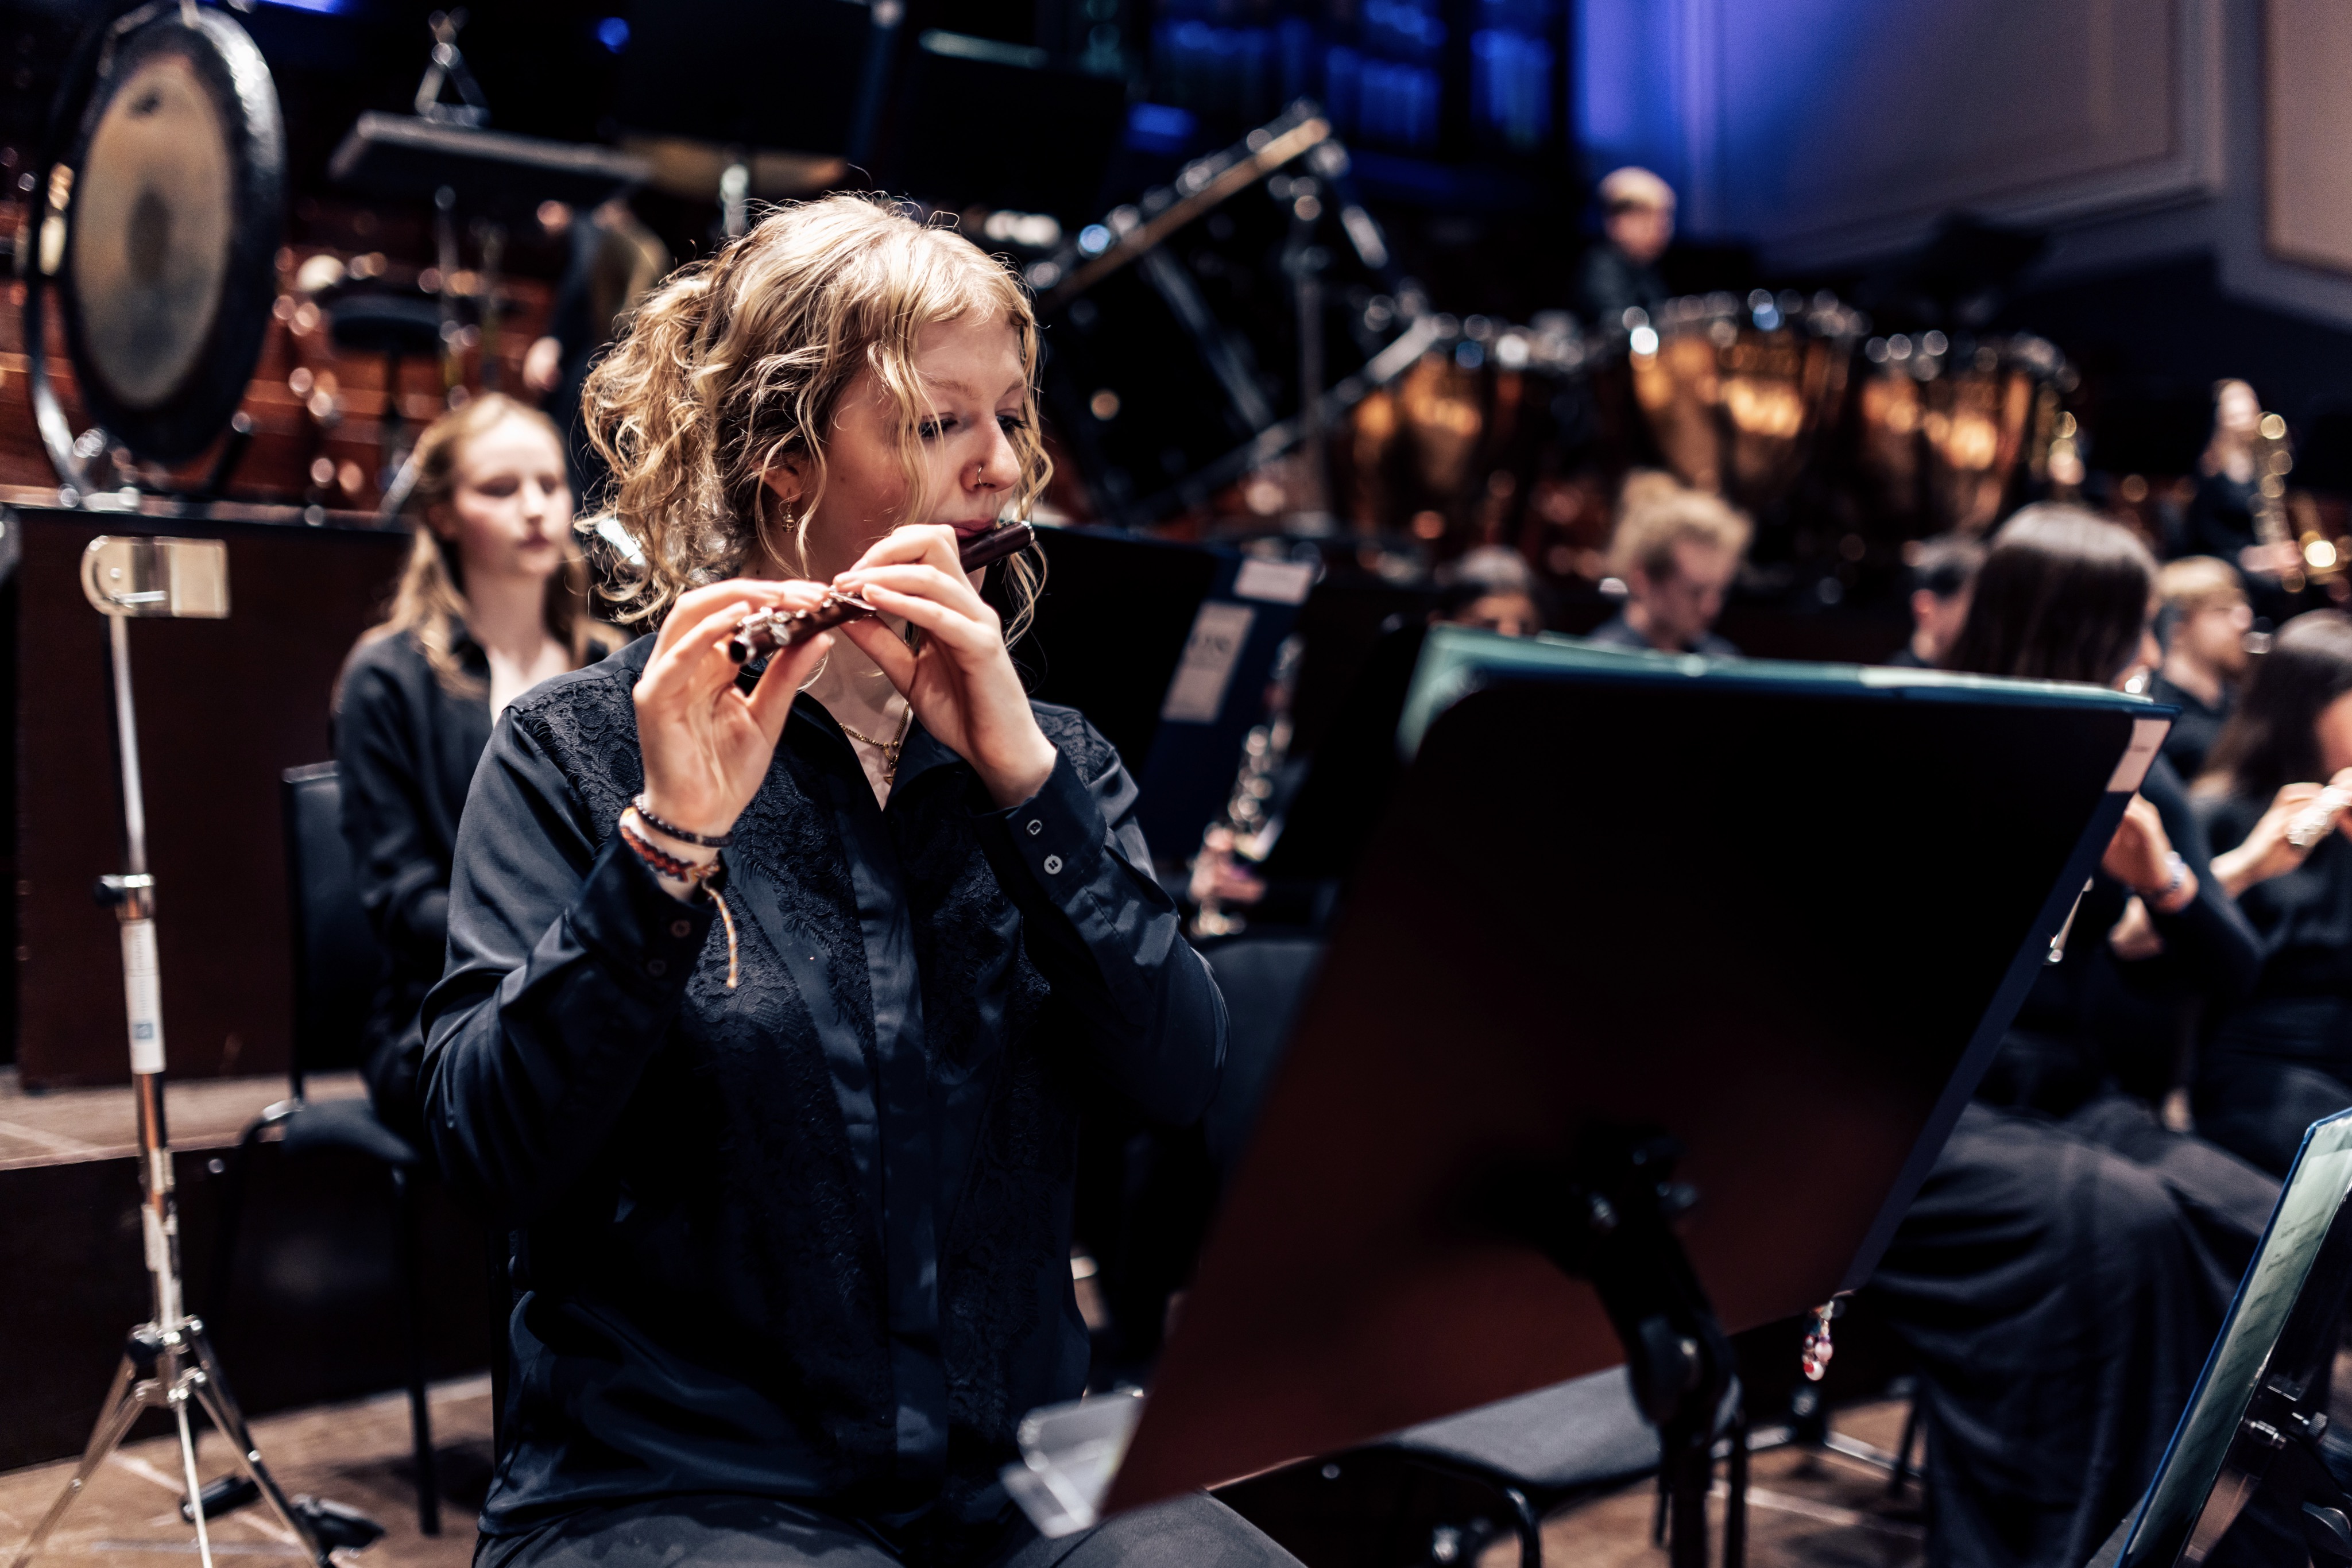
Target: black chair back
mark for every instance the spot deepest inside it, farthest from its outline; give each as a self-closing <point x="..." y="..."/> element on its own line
<point x="338" y="963"/>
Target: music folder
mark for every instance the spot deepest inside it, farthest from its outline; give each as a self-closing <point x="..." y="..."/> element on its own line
<point x="1780" y="913"/>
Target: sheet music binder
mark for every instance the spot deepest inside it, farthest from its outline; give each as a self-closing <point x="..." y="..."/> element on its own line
<point x="1782" y="912"/>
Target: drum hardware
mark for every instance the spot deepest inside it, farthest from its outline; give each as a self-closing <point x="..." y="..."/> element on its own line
<point x="1944" y="429"/>
<point x="1735" y="390"/>
<point x="160" y="191"/>
<point x="1307" y="180"/>
<point x="167" y="1363"/>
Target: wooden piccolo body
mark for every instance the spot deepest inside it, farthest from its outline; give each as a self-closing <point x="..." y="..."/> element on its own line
<point x="768" y="631"/>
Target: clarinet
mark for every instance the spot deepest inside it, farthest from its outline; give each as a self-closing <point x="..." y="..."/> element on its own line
<point x="769" y="631"/>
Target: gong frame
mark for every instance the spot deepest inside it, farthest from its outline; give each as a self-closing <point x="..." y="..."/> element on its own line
<point x="230" y="67"/>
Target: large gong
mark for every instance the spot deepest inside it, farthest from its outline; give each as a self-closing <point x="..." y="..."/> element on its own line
<point x="171" y="205"/>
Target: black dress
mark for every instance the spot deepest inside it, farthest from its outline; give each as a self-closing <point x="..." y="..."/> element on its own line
<point x="804" y="1240"/>
<point x="405" y="746"/>
<point x="2062" y="1273"/>
<point x="2282" y="1058"/>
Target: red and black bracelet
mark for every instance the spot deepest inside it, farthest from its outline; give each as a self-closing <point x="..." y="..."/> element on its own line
<point x="705" y="877"/>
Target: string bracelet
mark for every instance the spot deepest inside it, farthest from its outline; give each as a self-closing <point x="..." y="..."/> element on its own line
<point x="705" y="877"/>
<point x="663" y="824"/>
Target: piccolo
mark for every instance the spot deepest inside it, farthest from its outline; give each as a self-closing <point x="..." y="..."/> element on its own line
<point x="2314" y="822"/>
<point x="768" y="631"/>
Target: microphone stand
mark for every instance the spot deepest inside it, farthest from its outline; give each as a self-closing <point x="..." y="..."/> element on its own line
<point x="167" y="1362"/>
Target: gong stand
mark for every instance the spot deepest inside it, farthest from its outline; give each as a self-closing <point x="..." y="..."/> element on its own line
<point x="168" y="1363"/>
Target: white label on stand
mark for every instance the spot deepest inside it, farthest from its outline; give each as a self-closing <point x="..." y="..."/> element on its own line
<point x="1197" y="694"/>
<point x="2147" y="738"/>
<point x="1276" y="581"/>
<point x="142" y="996"/>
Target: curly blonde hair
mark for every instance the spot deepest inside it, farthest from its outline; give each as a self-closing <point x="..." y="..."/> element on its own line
<point x="739" y="361"/>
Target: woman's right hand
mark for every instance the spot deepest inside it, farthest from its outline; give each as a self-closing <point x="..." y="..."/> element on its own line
<point x="2267" y="851"/>
<point x="707" y="745"/>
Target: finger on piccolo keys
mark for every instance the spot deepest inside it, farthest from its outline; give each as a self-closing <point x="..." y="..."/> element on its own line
<point x="766" y="630"/>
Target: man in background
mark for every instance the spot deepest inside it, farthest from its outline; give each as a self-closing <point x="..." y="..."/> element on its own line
<point x="1621" y="269"/>
<point x="2205" y="656"/>
<point x="1941" y="578"/>
<point x="1676" y="551"/>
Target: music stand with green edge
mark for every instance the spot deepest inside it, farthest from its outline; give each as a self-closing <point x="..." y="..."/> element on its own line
<point x="1638" y="935"/>
<point x="2247" y="1477"/>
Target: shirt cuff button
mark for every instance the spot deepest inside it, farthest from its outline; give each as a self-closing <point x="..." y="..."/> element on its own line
<point x="1035" y="827"/>
<point x="680" y="927"/>
<point x="657" y="968"/>
<point x="1053" y="865"/>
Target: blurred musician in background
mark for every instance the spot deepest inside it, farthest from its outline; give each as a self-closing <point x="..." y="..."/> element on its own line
<point x="1621" y="269"/>
<point x="493" y="602"/>
<point x="774" y="992"/>
<point x="2282" y="1057"/>
<point x="2061" y="1282"/>
<point x="1940" y="582"/>
<point x="1493" y="589"/>
<point x="2223" y="513"/>
<point x="614" y="262"/>
<point x="2205" y="656"/>
<point x="1676" y="551"/>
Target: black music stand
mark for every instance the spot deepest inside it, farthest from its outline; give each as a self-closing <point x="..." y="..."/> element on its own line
<point x="2253" y="1474"/>
<point x="1645" y="981"/>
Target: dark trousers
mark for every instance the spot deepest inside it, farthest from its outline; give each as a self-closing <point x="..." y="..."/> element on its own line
<point x="713" y="1531"/>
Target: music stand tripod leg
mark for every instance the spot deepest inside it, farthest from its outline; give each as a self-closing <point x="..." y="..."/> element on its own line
<point x="129" y="1394"/>
<point x="211" y="1391"/>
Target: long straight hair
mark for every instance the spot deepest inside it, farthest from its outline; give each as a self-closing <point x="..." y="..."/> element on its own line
<point x="430" y="601"/>
<point x="2062" y="596"/>
<point x="2272" y="738"/>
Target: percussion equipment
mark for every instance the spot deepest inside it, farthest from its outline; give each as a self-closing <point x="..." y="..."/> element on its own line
<point x="157" y="225"/>
<point x="1737" y="391"/>
<point x="1943" y="431"/>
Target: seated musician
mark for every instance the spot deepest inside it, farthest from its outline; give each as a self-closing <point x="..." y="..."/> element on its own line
<point x="2205" y="653"/>
<point x="1941" y="579"/>
<point x="2282" y="1057"/>
<point x="1491" y="589"/>
<point x="2061" y="1280"/>
<point x="494" y="601"/>
<point x="1676" y="551"/>
<point x="771" y="1003"/>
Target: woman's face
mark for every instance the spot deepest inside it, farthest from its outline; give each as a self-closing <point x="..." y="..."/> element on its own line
<point x="972" y="389"/>
<point x="2333" y="732"/>
<point x="509" y="512"/>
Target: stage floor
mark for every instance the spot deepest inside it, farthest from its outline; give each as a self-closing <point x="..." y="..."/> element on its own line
<point x="64" y="1125"/>
<point x="1807" y="1511"/>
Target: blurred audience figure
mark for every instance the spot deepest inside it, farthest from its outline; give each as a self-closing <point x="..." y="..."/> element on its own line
<point x="1941" y="580"/>
<point x="1676" y="551"/>
<point x="2282" y="1057"/>
<point x="1620" y="268"/>
<point x="2206" y="620"/>
<point x="1493" y="590"/>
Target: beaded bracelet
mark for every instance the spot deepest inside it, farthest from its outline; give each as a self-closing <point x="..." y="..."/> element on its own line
<point x="707" y="877"/>
<point x="663" y="824"/>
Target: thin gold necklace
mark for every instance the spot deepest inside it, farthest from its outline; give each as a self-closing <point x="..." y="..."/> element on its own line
<point x="889" y="748"/>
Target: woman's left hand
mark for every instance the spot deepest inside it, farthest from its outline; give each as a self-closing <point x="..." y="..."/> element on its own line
<point x="960" y="680"/>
